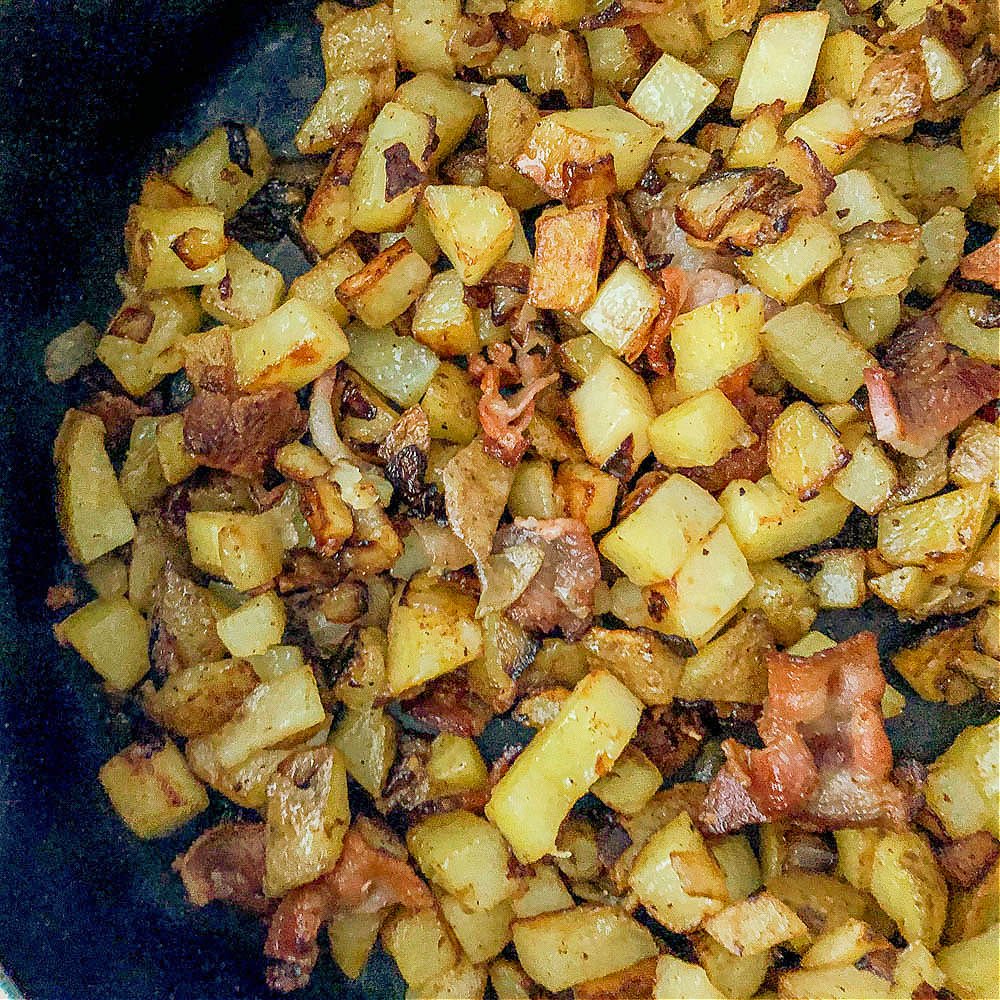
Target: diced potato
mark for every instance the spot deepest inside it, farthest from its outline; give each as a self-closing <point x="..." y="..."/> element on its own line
<point x="843" y="945"/>
<point x="981" y="142"/>
<point x="466" y="856"/>
<point x="307" y="817"/>
<point x="152" y="789"/>
<point x="450" y="404"/>
<point x="433" y="636"/>
<point x="176" y="462"/>
<point x="831" y="132"/>
<point x="352" y="937"/>
<point x="630" y="784"/>
<point x="872" y="321"/>
<point x="510" y="981"/>
<point x="914" y="967"/>
<point x="407" y="132"/>
<point x="803" y="450"/>
<point x="418" y="232"/>
<point x="356" y="40"/>
<point x="767" y="522"/>
<point x="958" y="323"/>
<point x="474" y="227"/>
<point x="420" y="945"/>
<point x="422" y="31"/>
<point x="400" y="368"/>
<point x="532" y="494"/>
<point x="754" y="925"/>
<point x="735" y="977"/>
<point x="739" y="865"/>
<point x="840" y="582"/>
<point x="874" y="262"/>
<point x="699" y="431"/>
<point x="825" y="902"/>
<point x="640" y="660"/>
<point x="443" y="320"/>
<point x="245" y="549"/>
<point x="559" y="950"/>
<point x="211" y="174"/>
<point x="971" y="965"/>
<point x="587" y="494"/>
<point x="250" y="290"/>
<point x="327" y="220"/>
<point x="386" y="286"/>
<point x="455" y="765"/>
<point x="676" y="978"/>
<point x="93" y="515"/>
<point x="976" y="457"/>
<point x="815" y="354"/>
<point x="907" y="884"/>
<point x="568" y="249"/>
<point x="962" y="787"/>
<point x="731" y="667"/>
<point x="483" y="934"/>
<point x="291" y="347"/>
<point x="672" y="95"/>
<point x="653" y="542"/>
<point x="626" y="305"/>
<point x="842" y="981"/>
<point x="715" y="340"/>
<point x="869" y="479"/>
<point x="708" y="587"/>
<point x="254" y="626"/>
<point x="112" y="637"/>
<point x="611" y="404"/>
<point x="348" y="100"/>
<point x="511" y="118"/>
<point x="561" y="763"/>
<point x="274" y="711"/>
<point x="198" y="699"/>
<point x="860" y="197"/>
<point x="452" y="107"/>
<point x="141" y="478"/>
<point x="542" y="892"/>
<point x="367" y="739"/>
<point x="176" y="248"/>
<point x="843" y="59"/>
<point x="582" y="137"/>
<point x="783" y="269"/>
<point x="781" y="61"/>
<point x="677" y="878"/>
<point x="933" y="531"/>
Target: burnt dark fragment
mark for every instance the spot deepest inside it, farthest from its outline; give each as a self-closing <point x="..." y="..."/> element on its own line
<point x="270" y="214"/>
<point x="405" y="470"/>
<point x="401" y="173"/>
<point x="619" y="464"/>
<point x="239" y="146"/>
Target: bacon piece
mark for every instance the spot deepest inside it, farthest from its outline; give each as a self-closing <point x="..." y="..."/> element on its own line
<point x="826" y="759"/>
<point x="925" y="389"/>
<point x="561" y="594"/>
<point x="965" y="861"/>
<point x="226" y="863"/>
<point x="241" y="434"/>
<point x="367" y="879"/>
<point x="118" y="414"/>
<point x="504" y="420"/>
<point x="983" y="264"/>
<point x="741" y="463"/>
<point x="449" y="705"/>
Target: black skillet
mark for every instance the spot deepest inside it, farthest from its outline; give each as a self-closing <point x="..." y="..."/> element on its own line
<point x="92" y="92"/>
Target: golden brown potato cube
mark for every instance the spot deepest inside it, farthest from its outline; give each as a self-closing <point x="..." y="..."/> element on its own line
<point x="386" y="286"/>
<point x="352" y="937"/>
<point x="840" y="582"/>
<point x="452" y="107"/>
<point x="176" y="248"/>
<point x="623" y="311"/>
<point x="367" y="737"/>
<point x="93" y="515"/>
<point x="348" y="101"/>
<point x="356" y="41"/>
<point x="511" y="118"/>
<point x="443" y="320"/>
<point x="420" y="944"/>
<point x="754" y="925"/>
<point x="672" y="95"/>
<point x="587" y="494"/>
<point x="152" y="789"/>
<point x="804" y="450"/>
<point x="112" y="637"/>
<point x="423" y="30"/>
<point x="962" y="784"/>
<point x="450" y="403"/>
<point x="568" y="250"/>
<point x="783" y="269"/>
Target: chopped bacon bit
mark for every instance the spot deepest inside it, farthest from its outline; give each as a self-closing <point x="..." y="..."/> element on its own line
<point x="366" y="879"/>
<point x="118" y="413"/>
<point x="60" y="596"/>
<point x="826" y="759"/>
<point x="673" y="291"/>
<point x="241" y="434"/>
<point x="449" y="705"/>
<point x="983" y="264"/>
<point x="505" y="419"/>
<point x="965" y="861"/>
<point x="561" y="594"/>
<point x="925" y="389"/>
<point x="226" y="863"/>
<point x="670" y="736"/>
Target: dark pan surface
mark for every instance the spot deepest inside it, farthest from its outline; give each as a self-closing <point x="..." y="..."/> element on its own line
<point x="92" y="91"/>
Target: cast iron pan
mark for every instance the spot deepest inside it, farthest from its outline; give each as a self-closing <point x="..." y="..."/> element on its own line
<point x="93" y="90"/>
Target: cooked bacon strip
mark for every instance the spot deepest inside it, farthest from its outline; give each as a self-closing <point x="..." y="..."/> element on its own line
<point x="983" y="264"/>
<point x="226" y="863"/>
<point x="504" y="420"/>
<point x="241" y="434"/>
<point x="826" y="759"/>
<point x="449" y="705"/>
<point x="560" y="596"/>
<point x="925" y="389"/>
<point x="365" y="880"/>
